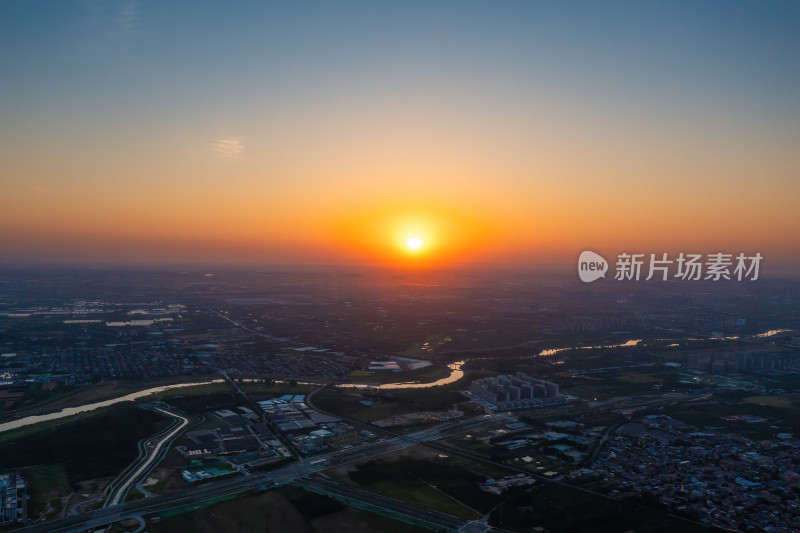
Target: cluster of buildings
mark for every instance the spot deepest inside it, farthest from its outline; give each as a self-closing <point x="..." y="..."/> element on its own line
<point x="722" y="479"/>
<point x="308" y="430"/>
<point x="246" y="440"/>
<point x="499" y="486"/>
<point x="80" y="364"/>
<point x="570" y="447"/>
<point x="198" y="471"/>
<point x="78" y="310"/>
<point x="416" y="418"/>
<point x="243" y="441"/>
<point x="308" y="365"/>
<point x="739" y="362"/>
<point x="515" y="391"/>
<point x="94" y="354"/>
<point x="84" y="342"/>
<point x="589" y="323"/>
<point x="198" y="475"/>
<point x="13" y="499"/>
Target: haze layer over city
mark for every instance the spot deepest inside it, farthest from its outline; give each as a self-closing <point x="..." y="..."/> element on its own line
<point x="399" y="266"/>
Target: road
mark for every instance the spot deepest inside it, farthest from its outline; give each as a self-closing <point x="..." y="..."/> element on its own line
<point x="242" y="326"/>
<point x="383" y="504"/>
<point x="200" y="495"/>
<point x="153" y="452"/>
<point x="429" y="437"/>
<point x="260" y="412"/>
<point x="195" y="497"/>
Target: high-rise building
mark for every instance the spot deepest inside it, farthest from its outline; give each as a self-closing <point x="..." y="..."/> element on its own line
<point x="514" y="392"/>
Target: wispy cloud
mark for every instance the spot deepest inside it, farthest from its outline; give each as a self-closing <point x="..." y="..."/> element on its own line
<point x="41" y="190"/>
<point x="126" y="18"/>
<point x="116" y="25"/>
<point x="231" y="147"/>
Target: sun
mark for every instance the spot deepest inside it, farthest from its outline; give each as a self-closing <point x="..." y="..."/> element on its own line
<point x="414" y="243"/>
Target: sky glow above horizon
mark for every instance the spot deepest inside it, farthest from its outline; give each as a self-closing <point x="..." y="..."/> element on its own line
<point x="503" y="133"/>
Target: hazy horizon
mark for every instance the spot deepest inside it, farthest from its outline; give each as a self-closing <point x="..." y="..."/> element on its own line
<point x="506" y="135"/>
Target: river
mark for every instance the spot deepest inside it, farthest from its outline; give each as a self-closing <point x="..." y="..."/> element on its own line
<point x="456" y="373"/>
<point x="70" y="411"/>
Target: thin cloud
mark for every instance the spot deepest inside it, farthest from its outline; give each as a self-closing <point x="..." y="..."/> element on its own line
<point x="231" y="147"/>
<point x="127" y="17"/>
<point x="41" y="190"/>
<point x="116" y="25"/>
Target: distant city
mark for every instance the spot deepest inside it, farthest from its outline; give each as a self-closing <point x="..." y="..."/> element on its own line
<point x="496" y="388"/>
<point x="461" y="267"/>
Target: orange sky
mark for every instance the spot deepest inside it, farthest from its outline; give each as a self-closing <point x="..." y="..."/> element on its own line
<point x="124" y="144"/>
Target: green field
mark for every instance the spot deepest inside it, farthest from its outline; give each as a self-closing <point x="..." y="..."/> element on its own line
<point x="426" y="374"/>
<point x="413" y="479"/>
<point x="46" y="486"/>
<point x="47" y="426"/>
<point x="632" y="381"/>
<point x="61" y="398"/>
<point x="782" y="414"/>
<point x="101" y="444"/>
<point x="266" y="391"/>
<point x="195" y="390"/>
<point x="427" y="346"/>
<point x="424" y="495"/>
<point x="632" y="377"/>
<point x="134" y="494"/>
<point x="285" y="510"/>
<point x="347" y="402"/>
<point x="203" y="402"/>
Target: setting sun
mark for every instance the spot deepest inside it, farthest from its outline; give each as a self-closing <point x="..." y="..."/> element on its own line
<point x="412" y="235"/>
<point x="414" y="243"/>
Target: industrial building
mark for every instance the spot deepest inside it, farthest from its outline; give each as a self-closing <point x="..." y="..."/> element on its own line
<point x="13" y="498"/>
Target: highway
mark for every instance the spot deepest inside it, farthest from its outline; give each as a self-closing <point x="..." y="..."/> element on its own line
<point x="383" y="504"/>
<point x="260" y="412"/>
<point x="202" y="494"/>
<point x="206" y="493"/>
<point x="193" y="497"/>
<point x="431" y="435"/>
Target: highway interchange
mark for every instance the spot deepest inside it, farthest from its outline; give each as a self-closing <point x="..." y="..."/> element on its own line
<point x="202" y="494"/>
<point x="297" y="472"/>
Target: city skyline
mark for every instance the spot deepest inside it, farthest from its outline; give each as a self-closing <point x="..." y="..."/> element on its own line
<point x="508" y="134"/>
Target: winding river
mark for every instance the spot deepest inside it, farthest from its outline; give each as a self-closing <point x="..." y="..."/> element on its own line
<point x="70" y="411"/>
<point x="456" y="373"/>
